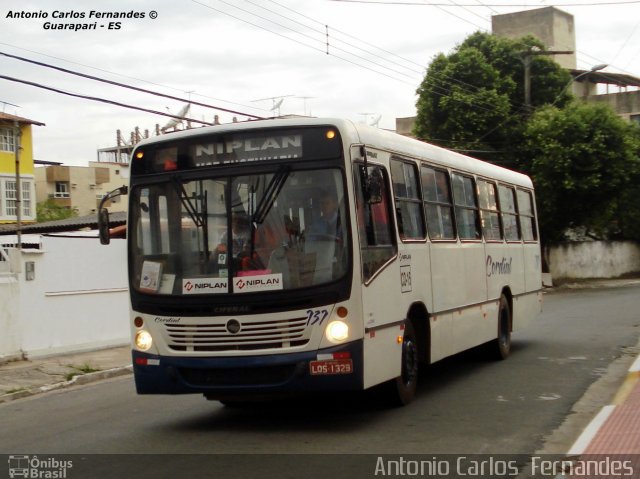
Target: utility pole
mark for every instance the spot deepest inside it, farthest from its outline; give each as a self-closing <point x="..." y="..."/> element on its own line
<point x="526" y="60"/>
<point x="16" y="141"/>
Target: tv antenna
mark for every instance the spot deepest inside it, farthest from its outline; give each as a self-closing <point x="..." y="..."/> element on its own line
<point x="276" y="102"/>
<point x="376" y="121"/>
<point x="173" y="123"/>
<point x="304" y="103"/>
<point x="365" y="115"/>
<point x="5" y="103"/>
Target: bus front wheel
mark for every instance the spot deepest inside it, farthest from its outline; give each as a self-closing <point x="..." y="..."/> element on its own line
<point x="402" y="389"/>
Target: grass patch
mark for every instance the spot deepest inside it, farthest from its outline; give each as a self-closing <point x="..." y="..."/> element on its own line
<point x="16" y="390"/>
<point x="79" y="370"/>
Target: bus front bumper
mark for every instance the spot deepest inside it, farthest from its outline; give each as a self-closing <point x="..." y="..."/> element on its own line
<point x="338" y="368"/>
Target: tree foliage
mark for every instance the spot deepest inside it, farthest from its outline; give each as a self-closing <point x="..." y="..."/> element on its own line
<point x="473" y="99"/>
<point x="49" y="211"/>
<point x="582" y="158"/>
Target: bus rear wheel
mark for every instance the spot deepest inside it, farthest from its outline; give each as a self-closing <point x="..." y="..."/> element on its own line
<point x="402" y="389"/>
<point x="500" y="348"/>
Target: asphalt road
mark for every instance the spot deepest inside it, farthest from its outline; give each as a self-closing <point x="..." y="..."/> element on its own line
<point x="465" y="404"/>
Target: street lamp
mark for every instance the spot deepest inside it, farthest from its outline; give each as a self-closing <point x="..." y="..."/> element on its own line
<point x="593" y="69"/>
<point x="526" y="58"/>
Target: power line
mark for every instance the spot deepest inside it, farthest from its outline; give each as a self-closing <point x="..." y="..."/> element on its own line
<point x="434" y="4"/>
<point x="467" y="86"/>
<point x="124" y="76"/>
<point x="123" y="85"/>
<point x="436" y="89"/>
<point x="296" y="41"/>
<point x="102" y="100"/>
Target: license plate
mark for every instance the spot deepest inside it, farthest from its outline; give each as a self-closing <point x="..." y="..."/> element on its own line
<point x="334" y="366"/>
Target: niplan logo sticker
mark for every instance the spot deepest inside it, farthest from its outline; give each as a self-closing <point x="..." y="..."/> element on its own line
<point x="262" y="282"/>
<point x="204" y="286"/>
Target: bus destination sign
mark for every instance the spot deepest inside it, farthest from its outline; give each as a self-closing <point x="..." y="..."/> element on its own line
<point x="247" y="148"/>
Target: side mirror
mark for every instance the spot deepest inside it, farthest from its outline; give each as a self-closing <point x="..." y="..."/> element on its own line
<point x="374" y="186"/>
<point x="103" y="226"/>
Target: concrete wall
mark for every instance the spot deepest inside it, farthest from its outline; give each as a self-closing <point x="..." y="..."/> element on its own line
<point x="10" y="347"/>
<point x="625" y="104"/>
<point x="76" y="301"/>
<point x="594" y="259"/>
<point x="552" y="26"/>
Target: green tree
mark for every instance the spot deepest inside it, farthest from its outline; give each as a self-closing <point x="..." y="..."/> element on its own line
<point x="473" y="99"/>
<point x="583" y="160"/>
<point x="49" y="211"/>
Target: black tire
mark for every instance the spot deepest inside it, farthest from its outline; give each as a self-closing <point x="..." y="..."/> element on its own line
<point x="402" y="390"/>
<point x="500" y="348"/>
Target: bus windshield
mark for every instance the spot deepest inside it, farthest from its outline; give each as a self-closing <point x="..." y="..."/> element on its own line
<point x="281" y="230"/>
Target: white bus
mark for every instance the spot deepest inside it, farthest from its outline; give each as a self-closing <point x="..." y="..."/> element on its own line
<point x="299" y="255"/>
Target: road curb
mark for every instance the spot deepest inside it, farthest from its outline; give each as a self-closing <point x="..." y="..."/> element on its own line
<point x="592" y="429"/>
<point x="78" y="380"/>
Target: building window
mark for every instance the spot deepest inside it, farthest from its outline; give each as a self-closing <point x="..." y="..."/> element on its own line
<point x="635" y="119"/>
<point x="7" y="140"/>
<point x="62" y="190"/>
<point x="10" y="197"/>
<point x="26" y="198"/>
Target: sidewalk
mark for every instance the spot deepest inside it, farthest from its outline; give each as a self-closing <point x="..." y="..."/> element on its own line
<point x="19" y="379"/>
<point x="615" y="430"/>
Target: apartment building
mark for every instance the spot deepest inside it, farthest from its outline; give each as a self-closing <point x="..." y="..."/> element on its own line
<point x="16" y="148"/>
<point x="81" y="188"/>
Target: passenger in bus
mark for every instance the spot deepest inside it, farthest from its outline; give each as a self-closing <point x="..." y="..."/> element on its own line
<point x="328" y="224"/>
<point x="324" y="241"/>
<point x="240" y="233"/>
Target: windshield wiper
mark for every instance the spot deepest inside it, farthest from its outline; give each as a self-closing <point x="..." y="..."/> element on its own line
<point x="271" y="193"/>
<point x="199" y="218"/>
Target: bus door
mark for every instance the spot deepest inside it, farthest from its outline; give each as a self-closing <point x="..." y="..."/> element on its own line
<point x="379" y="274"/>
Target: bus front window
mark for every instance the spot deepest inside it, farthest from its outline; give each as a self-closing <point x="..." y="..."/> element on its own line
<point x="243" y="234"/>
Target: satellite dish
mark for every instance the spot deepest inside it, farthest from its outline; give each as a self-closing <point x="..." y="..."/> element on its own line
<point x="175" y="121"/>
<point x="277" y="104"/>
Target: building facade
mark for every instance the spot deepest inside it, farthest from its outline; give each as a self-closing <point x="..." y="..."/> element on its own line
<point x="16" y="147"/>
<point x="81" y="188"/>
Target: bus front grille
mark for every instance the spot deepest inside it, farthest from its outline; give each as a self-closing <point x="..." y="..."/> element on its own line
<point x="240" y="336"/>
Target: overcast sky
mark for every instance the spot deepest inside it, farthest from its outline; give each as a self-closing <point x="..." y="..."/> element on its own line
<point x="217" y="52"/>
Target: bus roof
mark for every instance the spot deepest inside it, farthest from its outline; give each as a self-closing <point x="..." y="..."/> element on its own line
<point x="357" y="133"/>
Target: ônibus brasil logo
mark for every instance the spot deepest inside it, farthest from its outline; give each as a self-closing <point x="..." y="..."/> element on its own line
<point x="34" y="467"/>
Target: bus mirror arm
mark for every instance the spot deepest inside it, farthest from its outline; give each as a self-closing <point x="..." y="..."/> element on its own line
<point x="372" y="183"/>
<point x="103" y="214"/>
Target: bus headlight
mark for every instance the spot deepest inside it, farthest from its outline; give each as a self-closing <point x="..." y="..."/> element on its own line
<point x="143" y="340"/>
<point x="337" y="331"/>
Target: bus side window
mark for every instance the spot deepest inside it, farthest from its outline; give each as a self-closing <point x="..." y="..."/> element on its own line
<point x="507" y="197"/>
<point x="527" y="216"/>
<point x="467" y="216"/>
<point x="489" y="211"/>
<point x="409" y="210"/>
<point x="436" y="193"/>
<point x="375" y="227"/>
